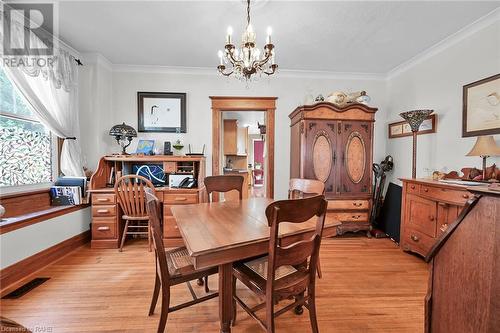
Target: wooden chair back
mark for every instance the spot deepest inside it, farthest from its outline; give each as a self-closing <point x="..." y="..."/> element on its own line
<point x="224" y="183"/>
<point x="303" y="188"/>
<point x="294" y="211"/>
<point x="130" y="193"/>
<point x="153" y="206"/>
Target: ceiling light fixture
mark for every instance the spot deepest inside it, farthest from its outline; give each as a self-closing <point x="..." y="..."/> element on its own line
<point x="247" y="60"/>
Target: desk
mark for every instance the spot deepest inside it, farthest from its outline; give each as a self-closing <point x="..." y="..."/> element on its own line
<point x="220" y="233"/>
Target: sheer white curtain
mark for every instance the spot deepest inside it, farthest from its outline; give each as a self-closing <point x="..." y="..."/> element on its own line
<point x="52" y="91"/>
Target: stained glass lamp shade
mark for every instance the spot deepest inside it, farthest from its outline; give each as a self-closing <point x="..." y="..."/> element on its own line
<point x="415" y="118"/>
<point x="123" y="135"/>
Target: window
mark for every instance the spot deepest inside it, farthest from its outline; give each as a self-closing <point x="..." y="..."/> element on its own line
<point x="26" y="146"/>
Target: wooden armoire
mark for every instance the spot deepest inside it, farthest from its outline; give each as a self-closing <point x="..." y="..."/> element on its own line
<point x="335" y="145"/>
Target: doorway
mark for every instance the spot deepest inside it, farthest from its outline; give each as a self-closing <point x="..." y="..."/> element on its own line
<point x="243" y="142"/>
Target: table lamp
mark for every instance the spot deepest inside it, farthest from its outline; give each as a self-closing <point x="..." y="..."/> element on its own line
<point x="123" y="135"/>
<point x="484" y="147"/>
<point x="415" y="118"/>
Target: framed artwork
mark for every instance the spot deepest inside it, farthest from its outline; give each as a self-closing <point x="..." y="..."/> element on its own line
<point x="161" y="112"/>
<point x="481" y="107"/>
<point x="145" y="147"/>
<point x="402" y="128"/>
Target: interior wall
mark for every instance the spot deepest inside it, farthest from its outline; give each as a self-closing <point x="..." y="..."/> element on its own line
<point x="289" y="90"/>
<point x="22" y="243"/>
<point x="436" y="83"/>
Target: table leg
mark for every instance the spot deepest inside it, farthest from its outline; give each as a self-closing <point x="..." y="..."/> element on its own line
<point x="225" y="297"/>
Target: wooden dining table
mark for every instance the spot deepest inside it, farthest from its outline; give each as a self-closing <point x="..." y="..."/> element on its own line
<point x="220" y="233"/>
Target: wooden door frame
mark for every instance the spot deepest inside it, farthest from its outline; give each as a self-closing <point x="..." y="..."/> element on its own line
<point x="235" y="103"/>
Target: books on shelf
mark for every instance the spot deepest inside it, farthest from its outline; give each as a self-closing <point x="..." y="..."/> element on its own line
<point x="66" y="195"/>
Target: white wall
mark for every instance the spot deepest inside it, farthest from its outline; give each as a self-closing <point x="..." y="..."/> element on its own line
<point x="24" y="242"/>
<point x="436" y="83"/>
<point x="289" y="90"/>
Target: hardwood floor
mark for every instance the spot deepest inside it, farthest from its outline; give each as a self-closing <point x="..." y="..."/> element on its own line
<point x="368" y="285"/>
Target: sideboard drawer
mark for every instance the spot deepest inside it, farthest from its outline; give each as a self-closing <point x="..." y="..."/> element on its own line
<point x="103" y="199"/>
<point x="445" y="194"/>
<point x="179" y="199"/>
<point x="348" y="204"/>
<point x="104" y="210"/>
<point x="103" y="228"/>
<point x="413" y="188"/>
<point x="349" y="216"/>
<point x="170" y="228"/>
<point x="414" y="240"/>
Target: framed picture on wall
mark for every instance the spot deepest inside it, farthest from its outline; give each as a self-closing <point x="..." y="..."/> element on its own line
<point x="161" y="112"/>
<point x="481" y="107"/>
<point x="402" y="128"/>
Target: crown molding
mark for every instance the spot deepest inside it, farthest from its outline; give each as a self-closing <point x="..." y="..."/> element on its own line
<point x="478" y="25"/>
<point x="285" y="73"/>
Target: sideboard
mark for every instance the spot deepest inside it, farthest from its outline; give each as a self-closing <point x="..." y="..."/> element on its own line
<point x="428" y="208"/>
<point x="107" y="224"/>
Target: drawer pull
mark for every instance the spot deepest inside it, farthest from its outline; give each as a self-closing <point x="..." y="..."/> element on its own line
<point x="180" y="199"/>
<point x="412" y="187"/>
<point x="357" y="204"/>
<point x="103" y="228"/>
<point x="103" y="199"/>
<point x="414" y="238"/>
<point x="103" y="211"/>
<point x="356" y="217"/>
<point x="431" y="218"/>
<point x="426" y="189"/>
<point x="465" y="196"/>
<point x="444" y="227"/>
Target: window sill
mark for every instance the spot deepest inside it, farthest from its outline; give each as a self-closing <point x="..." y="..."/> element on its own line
<point x="9" y="224"/>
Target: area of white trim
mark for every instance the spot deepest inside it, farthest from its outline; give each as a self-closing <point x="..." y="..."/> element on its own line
<point x="287" y="73"/>
<point x="479" y="24"/>
<point x="97" y="59"/>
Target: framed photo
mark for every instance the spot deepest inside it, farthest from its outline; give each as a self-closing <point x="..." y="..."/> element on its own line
<point x="402" y="128"/>
<point x="145" y="147"/>
<point x="481" y="107"/>
<point x="161" y="112"/>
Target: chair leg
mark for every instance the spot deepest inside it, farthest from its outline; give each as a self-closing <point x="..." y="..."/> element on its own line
<point x="299" y="309"/>
<point x="156" y="292"/>
<point x="165" y="304"/>
<point x="124" y="235"/>
<point x="269" y="315"/>
<point x="318" y="269"/>
<point x="312" y="309"/>
<point x="234" y="301"/>
<point x="149" y="236"/>
<point x="207" y="290"/>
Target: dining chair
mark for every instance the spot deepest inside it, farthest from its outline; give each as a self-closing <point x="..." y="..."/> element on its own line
<point x="300" y="188"/>
<point x="173" y="267"/>
<point x="288" y="272"/>
<point x="129" y="191"/>
<point x="224" y="183"/>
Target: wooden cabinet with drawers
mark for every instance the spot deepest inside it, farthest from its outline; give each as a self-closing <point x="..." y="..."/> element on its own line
<point x="335" y="145"/>
<point x="107" y="224"/>
<point x="428" y="208"/>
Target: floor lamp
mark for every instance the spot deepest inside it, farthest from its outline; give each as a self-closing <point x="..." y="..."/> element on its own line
<point x="415" y="118"/>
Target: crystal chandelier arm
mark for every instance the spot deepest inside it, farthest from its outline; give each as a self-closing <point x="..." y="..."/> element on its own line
<point x="222" y="68"/>
<point x="232" y="59"/>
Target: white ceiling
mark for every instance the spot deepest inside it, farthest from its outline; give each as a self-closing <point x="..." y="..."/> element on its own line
<point x="352" y="36"/>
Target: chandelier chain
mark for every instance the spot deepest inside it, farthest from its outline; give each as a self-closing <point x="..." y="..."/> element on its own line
<point x="248" y="12"/>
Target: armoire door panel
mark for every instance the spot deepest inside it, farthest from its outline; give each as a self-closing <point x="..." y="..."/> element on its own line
<point x="356" y="157"/>
<point x="321" y="154"/>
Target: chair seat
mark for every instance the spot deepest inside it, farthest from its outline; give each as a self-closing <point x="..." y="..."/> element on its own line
<point x="135" y="218"/>
<point x="180" y="263"/>
<point x="254" y="274"/>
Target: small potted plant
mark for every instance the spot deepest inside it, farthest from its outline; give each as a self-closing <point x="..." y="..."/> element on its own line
<point x="178" y="147"/>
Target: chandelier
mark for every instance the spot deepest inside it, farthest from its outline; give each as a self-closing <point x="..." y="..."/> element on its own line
<point x="248" y="59"/>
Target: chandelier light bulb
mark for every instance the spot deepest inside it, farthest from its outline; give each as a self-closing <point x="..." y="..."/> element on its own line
<point x="250" y="28"/>
<point x="220" y="56"/>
